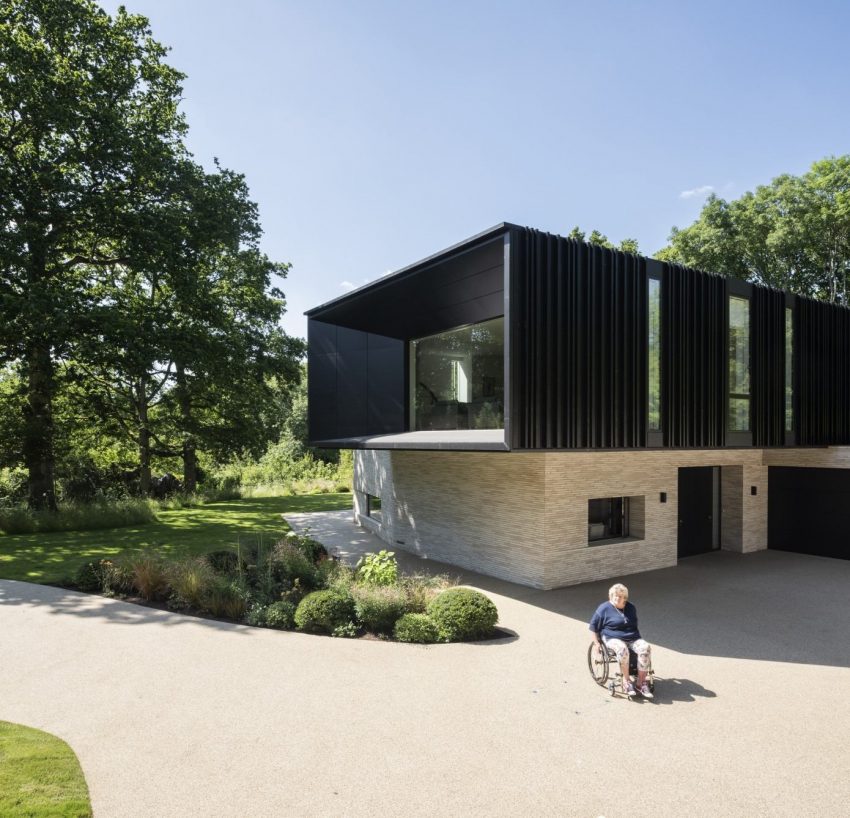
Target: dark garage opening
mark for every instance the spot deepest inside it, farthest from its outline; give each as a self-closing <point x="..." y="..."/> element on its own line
<point x="808" y="511"/>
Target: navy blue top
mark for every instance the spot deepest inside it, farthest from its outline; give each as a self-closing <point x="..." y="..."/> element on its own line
<point x="613" y="623"/>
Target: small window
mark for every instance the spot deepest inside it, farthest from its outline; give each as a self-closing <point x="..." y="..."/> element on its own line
<point x="373" y="507"/>
<point x="607" y="519"/>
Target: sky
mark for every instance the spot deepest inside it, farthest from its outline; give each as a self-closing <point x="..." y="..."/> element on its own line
<point x="375" y="133"/>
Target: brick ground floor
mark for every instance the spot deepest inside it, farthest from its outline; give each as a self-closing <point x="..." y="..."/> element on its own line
<point x="527" y="517"/>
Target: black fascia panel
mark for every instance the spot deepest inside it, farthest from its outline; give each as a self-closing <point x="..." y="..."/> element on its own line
<point x="461" y="285"/>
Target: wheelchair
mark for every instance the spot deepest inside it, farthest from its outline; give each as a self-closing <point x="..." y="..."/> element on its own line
<point x="599" y="661"/>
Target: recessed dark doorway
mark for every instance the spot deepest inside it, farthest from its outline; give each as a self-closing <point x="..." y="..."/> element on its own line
<point x="699" y="510"/>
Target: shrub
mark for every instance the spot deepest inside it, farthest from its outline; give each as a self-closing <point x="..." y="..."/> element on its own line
<point x="421" y="589"/>
<point x="379" y="606"/>
<point x="190" y="580"/>
<point x="416" y="627"/>
<point x="223" y="561"/>
<point x="256" y="616"/>
<point x="346" y="631"/>
<point x="89" y="577"/>
<point x="463" y="613"/>
<point x="225" y="598"/>
<point x="312" y="549"/>
<point x="280" y="615"/>
<point x="378" y="569"/>
<point x="117" y="576"/>
<point x="322" y="611"/>
<point x="150" y="577"/>
<point x="290" y="563"/>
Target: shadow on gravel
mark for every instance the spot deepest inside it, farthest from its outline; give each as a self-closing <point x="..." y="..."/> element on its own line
<point x="670" y="691"/>
<point x="768" y="605"/>
<point x="63" y="602"/>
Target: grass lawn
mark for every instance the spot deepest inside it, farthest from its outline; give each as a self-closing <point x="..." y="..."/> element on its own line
<point x="40" y="776"/>
<point x="53" y="557"/>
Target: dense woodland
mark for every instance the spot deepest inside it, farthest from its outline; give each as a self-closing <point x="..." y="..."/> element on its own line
<point x="139" y="325"/>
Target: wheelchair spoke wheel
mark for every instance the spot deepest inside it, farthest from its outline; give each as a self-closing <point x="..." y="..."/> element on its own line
<point x="597" y="662"/>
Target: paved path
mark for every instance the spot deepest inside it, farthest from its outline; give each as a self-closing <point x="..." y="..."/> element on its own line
<point x="176" y="716"/>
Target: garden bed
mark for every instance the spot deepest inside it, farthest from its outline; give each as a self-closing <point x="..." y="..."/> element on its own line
<point x="293" y="584"/>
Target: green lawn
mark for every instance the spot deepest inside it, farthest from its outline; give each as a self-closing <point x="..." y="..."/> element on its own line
<point x="53" y="557"/>
<point x="40" y="776"/>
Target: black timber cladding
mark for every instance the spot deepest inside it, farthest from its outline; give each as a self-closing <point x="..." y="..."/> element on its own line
<point x="693" y="357"/>
<point x="767" y="344"/>
<point x="578" y="344"/>
<point x="822" y="332"/>
<point x="576" y="348"/>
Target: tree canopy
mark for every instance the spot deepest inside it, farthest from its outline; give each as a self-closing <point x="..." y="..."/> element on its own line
<point x="793" y="233"/>
<point x="131" y="280"/>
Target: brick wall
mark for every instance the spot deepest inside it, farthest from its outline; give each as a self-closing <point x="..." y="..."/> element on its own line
<point x="522" y="516"/>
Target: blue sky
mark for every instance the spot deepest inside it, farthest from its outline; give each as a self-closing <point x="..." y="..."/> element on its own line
<point x="373" y="133"/>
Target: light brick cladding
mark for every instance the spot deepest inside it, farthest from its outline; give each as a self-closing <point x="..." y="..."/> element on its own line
<point x="522" y="516"/>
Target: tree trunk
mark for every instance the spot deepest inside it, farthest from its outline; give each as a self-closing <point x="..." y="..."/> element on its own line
<point x="144" y="438"/>
<point x="38" y="427"/>
<point x="190" y="458"/>
<point x="190" y="466"/>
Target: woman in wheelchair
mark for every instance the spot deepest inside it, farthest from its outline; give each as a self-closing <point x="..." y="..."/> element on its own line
<point x="616" y="624"/>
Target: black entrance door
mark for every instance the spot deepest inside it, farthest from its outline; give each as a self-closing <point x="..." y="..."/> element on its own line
<point x="697" y="510"/>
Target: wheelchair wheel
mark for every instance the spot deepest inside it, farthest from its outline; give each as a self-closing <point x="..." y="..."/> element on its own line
<point x="597" y="663"/>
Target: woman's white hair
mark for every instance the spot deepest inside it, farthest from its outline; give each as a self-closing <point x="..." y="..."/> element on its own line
<point x="618" y="588"/>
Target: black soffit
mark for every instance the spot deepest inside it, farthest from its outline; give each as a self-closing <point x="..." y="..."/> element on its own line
<point x="460" y="285"/>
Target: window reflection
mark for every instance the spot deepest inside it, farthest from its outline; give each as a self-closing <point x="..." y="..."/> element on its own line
<point x="739" y="364"/>
<point x="459" y="379"/>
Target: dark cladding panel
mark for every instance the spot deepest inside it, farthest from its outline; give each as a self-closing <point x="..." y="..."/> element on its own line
<point x="352" y="386"/>
<point x="321" y="382"/>
<point x="464" y="288"/>
<point x="357" y="387"/>
<point x="386" y="385"/>
<point x="578" y="344"/>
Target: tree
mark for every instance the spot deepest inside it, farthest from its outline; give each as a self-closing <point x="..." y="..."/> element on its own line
<point x="793" y="233"/>
<point x="89" y="131"/>
<point x="601" y="240"/>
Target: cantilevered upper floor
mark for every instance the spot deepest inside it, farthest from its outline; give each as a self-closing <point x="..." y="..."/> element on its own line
<point x="517" y="339"/>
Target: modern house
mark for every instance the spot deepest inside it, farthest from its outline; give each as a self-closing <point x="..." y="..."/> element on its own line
<point x="551" y="412"/>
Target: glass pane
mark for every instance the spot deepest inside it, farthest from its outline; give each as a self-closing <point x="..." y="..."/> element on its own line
<point x="789" y="369"/>
<point x="739" y="414"/>
<point x="654" y="362"/>
<point x="606" y="518"/>
<point x="739" y="364"/>
<point x="459" y="378"/>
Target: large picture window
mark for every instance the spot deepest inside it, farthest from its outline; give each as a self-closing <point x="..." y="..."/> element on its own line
<point x="458" y="378"/>
<point x="739" y="364"/>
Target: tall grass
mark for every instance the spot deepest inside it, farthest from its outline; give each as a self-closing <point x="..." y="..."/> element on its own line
<point x="78" y="517"/>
